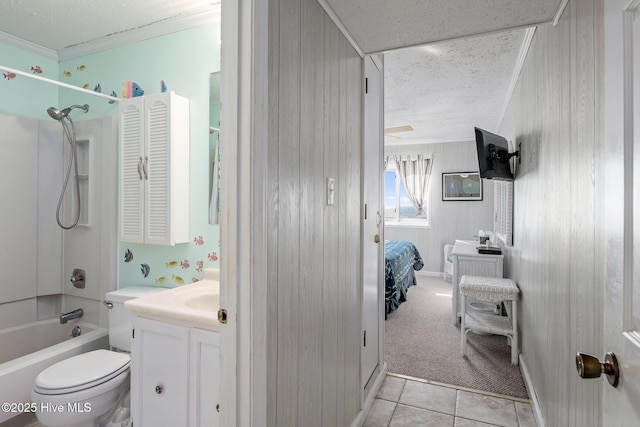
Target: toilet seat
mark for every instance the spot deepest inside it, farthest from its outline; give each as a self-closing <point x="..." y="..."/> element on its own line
<point x="81" y="372"/>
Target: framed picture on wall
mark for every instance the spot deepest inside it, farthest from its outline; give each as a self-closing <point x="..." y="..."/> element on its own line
<point x="461" y="186"/>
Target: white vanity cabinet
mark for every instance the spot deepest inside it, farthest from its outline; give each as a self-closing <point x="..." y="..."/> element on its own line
<point x="154" y="169"/>
<point x="174" y="375"/>
<point x="159" y="373"/>
<point x="204" y="378"/>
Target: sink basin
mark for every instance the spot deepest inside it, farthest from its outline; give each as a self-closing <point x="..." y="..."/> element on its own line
<point x="208" y="301"/>
<point x="193" y="305"/>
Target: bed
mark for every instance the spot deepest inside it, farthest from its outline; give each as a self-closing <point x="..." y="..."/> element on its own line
<point x="401" y="258"/>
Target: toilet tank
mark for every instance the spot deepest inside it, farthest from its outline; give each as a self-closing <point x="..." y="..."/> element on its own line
<point x="121" y="319"/>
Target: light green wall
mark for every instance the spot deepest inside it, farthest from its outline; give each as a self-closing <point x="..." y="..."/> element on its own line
<point x="21" y="95"/>
<point x="184" y="61"/>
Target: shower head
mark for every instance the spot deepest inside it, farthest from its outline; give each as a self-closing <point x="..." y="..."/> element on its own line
<point x="59" y="115"/>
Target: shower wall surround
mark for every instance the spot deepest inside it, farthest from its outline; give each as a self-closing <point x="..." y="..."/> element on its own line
<point x="30" y="242"/>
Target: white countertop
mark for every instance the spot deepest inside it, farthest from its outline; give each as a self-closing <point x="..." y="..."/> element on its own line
<point x="468" y="247"/>
<point x="194" y="305"/>
<point x="465" y="247"/>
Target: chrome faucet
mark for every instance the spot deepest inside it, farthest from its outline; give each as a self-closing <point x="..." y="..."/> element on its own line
<point x="75" y="314"/>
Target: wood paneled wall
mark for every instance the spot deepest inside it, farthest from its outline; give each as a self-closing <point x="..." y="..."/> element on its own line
<point x="314" y="261"/>
<point x="555" y="113"/>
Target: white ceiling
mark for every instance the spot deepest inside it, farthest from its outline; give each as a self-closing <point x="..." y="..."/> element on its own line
<point x="442" y="90"/>
<point x="458" y="62"/>
<point x="381" y="25"/>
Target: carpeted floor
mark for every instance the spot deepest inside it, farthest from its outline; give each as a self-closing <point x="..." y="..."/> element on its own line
<point x="422" y="342"/>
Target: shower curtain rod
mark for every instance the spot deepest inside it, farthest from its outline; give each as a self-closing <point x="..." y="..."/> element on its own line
<point x="55" y="82"/>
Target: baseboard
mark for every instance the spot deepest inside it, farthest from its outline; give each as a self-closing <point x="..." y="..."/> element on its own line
<point x="368" y="401"/>
<point x="430" y="273"/>
<point x="533" y="397"/>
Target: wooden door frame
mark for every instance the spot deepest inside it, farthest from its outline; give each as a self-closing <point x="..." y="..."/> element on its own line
<point x="382" y="367"/>
<point x="243" y="378"/>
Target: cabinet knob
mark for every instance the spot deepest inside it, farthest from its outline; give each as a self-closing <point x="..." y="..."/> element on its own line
<point x="158" y="389"/>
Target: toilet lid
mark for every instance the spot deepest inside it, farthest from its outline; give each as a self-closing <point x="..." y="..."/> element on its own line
<point x="81" y="372"/>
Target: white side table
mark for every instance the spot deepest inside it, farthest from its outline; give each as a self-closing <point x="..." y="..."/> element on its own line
<point x="493" y="290"/>
<point x="467" y="261"/>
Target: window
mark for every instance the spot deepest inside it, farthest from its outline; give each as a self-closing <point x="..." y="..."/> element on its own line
<point x="398" y="209"/>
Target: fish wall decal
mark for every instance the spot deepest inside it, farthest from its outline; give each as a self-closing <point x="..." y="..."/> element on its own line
<point x="132" y="89"/>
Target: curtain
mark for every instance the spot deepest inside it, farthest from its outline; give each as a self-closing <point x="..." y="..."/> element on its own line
<point x="415" y="174"/>
<point x="386" y="161"/>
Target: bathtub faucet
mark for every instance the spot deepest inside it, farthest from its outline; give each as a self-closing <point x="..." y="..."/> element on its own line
<point x="75" y="314"/>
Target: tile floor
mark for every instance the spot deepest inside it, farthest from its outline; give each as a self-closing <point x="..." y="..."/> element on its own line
<point x="403" y="402"/>
<point x="413" y="403"/>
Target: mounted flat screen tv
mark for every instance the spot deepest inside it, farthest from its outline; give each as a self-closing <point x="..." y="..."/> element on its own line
<point x="493" y="156"/>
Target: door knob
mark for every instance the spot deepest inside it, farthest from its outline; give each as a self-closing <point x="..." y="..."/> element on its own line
<point x="590" y="367"/>
<point x="376" y="238"/>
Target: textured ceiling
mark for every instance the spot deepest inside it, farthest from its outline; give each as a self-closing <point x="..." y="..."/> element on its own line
<point x="380" y="25"/>
<point x="443" y="90"/>
<point x="56" y="24"/>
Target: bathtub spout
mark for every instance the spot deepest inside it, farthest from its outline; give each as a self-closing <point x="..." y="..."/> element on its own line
<point x="75" y="314"/>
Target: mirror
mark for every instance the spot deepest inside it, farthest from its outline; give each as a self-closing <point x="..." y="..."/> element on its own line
<point x="214" y="148"/>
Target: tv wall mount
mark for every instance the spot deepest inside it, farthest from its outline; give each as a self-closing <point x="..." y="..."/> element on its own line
<point x="500" y="155"/>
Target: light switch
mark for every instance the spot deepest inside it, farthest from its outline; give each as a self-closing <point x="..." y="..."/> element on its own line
<point x="330" y="191"/>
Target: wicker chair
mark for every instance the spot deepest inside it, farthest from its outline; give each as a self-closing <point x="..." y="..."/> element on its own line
<point x="448" y="264"/>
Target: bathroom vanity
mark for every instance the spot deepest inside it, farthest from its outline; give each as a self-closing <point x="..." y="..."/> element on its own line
<point x="175" y="356"/>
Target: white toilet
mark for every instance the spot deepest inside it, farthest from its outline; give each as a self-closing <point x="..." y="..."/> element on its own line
<point x="85" y="389"/>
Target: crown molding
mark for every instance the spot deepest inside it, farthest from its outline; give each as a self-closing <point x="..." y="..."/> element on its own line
<point x="28" y="46"/>
<point x="343" y="29"/>
<point x="122" y="38"/>
<point x="146" y="32"/>
<point x="560" y="11"/>
<point x="522" y="55"/>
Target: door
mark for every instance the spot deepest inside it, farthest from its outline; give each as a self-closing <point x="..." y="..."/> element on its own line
<point x="131" y="180"/>
<point x="159" y="374"/>
<point x="204" y="378"/>
<point x="158" y="169"/>
<point x="372" y="228"/>
<point x="621" y="209"/>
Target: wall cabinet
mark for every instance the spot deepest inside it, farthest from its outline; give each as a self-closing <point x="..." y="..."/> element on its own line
<point x="174" y="375"/>
<point x="154" y="169"/>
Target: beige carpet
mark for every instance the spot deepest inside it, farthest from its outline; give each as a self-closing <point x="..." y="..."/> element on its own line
<point x="422" y="342"/>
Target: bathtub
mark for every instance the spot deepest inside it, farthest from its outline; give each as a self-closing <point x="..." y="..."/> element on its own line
<point x="28" y="349"/>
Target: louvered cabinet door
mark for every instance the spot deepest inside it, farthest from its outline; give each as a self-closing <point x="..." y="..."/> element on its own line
<point x="158" y="168"/>
<point x="131" y="187"/>
<point x="167" y="162"/>
<point x="154" y="169"/>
